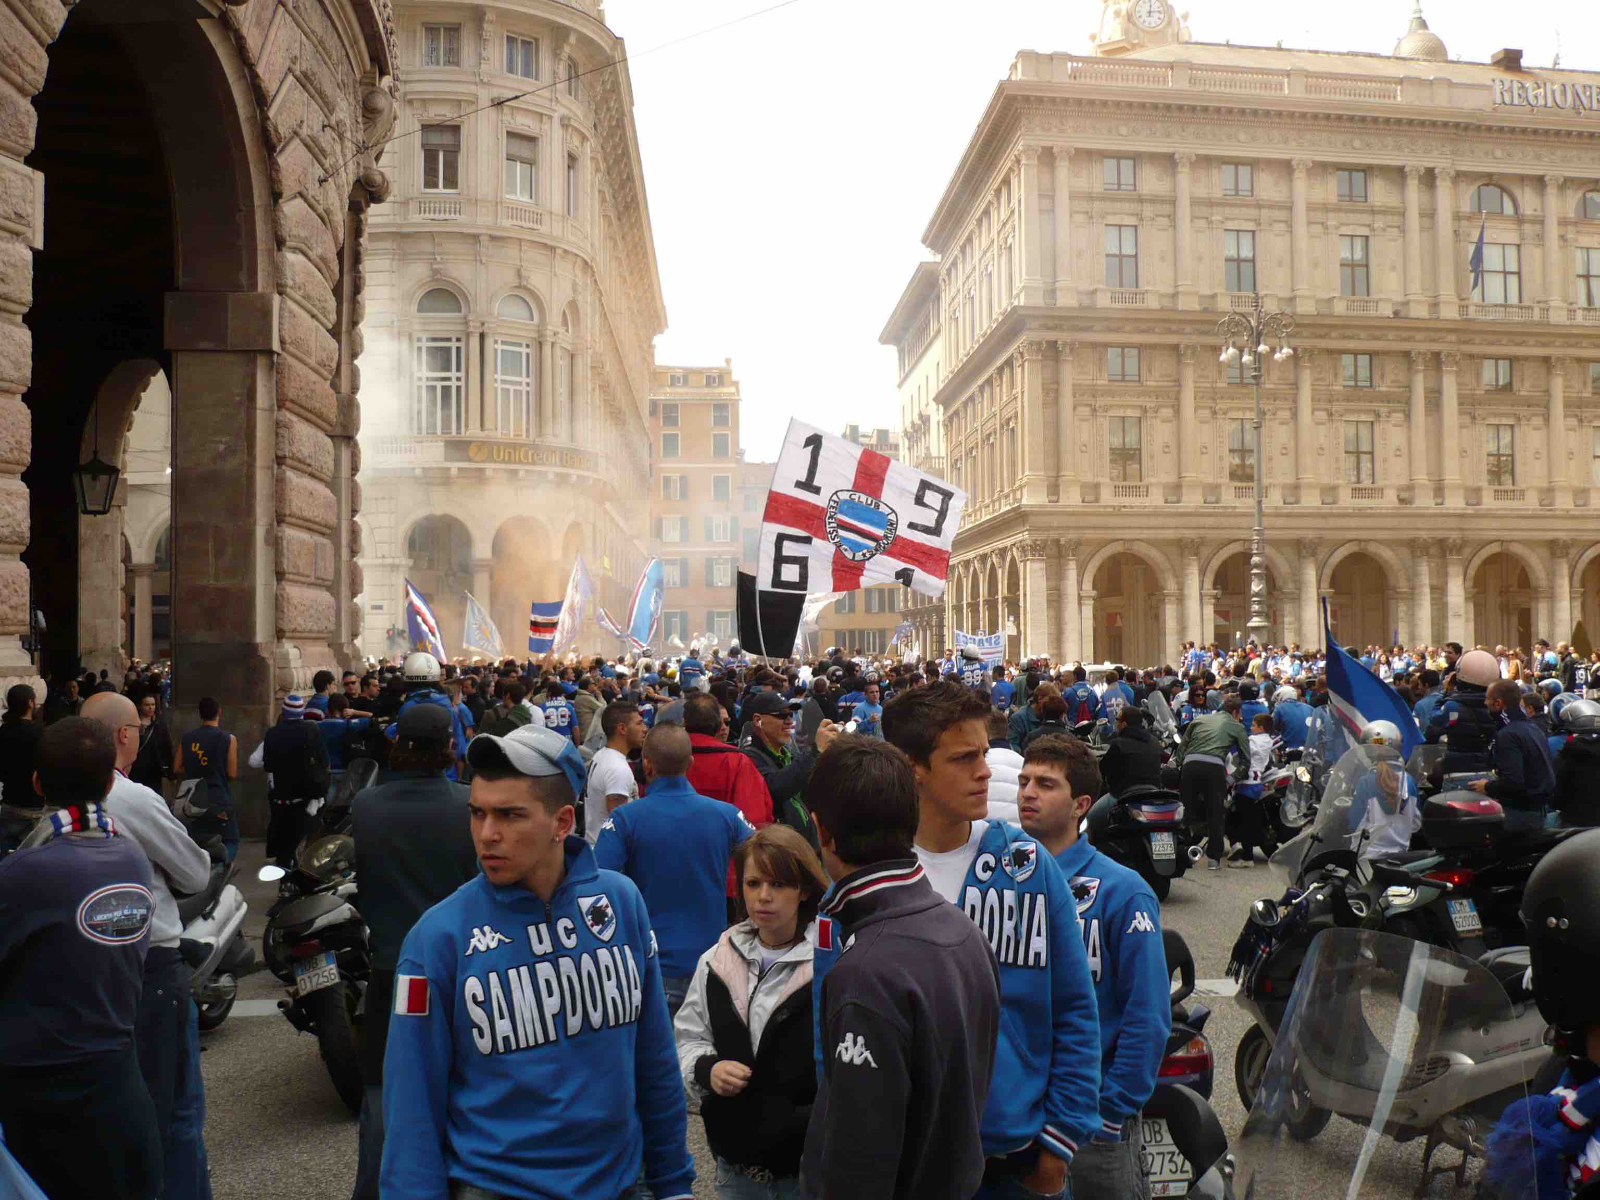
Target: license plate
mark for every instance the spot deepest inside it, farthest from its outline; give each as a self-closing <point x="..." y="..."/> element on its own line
<point x="316" y="973"/>
<point x="1164" y="1165"/>
<point x="1162" y="846"/>
<point x="1464" y="914"/>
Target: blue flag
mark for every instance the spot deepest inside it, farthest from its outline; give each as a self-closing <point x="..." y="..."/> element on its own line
<point x="644" y="613"/>
<point x="1357" y="696"/>
<point x="421" y="624"/>
<point x="542" y="622"/>
<point x="1476" y="261"/>
<point x="478" y="630"/>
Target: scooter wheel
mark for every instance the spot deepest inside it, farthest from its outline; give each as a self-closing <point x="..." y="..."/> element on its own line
<point x="211" y="1014"/>
<point x="1161" y="885"/>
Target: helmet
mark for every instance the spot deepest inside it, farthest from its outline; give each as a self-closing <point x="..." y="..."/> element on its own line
<point x="1478" y="668"/>
<point x="1247" y="691"/>
<point x="835" y="674"/>
<point x="1551" y="689"/>
<point x="1559" y="706"/>
<point x="421" y="667"/>
<point x="1285" y="693"/>
<point x="1561" y="913"/>
<point x="1380" y="733"/>
<point x="971" y="653"/>
<point x="1581" y="716"/>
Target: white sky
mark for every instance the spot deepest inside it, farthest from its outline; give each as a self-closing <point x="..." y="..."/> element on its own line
<point x="793" y="160"/>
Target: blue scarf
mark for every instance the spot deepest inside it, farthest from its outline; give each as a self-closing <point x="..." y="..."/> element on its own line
<point x="81" y="820"/>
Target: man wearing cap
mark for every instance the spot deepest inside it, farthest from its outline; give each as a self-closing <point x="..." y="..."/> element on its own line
<point x="785" y="766"/>
<point x="530" y="1052"/>
<point x="296" y="763"/>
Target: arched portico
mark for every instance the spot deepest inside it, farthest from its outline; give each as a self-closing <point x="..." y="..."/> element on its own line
<point x="1128" y="596"/>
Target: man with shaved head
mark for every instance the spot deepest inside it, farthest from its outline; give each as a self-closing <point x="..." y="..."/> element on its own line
<point x="167" y="1033"/>
<point x="675" y="844"/>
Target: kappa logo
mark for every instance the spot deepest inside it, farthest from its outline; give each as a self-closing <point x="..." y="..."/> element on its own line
<point x="484" y="939"/>
<point x="1142" y="923"/>
<point x="1020" y="859"/>
<point x="599" y="916"/>
<point x="859" y="526"/>
<point x="1084" y="890"/>
<point x="853" y="1052"/>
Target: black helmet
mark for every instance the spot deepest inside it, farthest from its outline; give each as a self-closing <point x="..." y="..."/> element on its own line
<point x="1247" y="692"/>
<point x="1561" y="910"/>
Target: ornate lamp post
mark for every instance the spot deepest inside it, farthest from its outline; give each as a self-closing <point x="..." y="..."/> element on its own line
<point x="1254" y="333"/>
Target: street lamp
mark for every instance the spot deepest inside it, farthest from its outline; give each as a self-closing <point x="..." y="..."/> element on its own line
<point x="1255" y="332"/>
<point x="95" y="480"/>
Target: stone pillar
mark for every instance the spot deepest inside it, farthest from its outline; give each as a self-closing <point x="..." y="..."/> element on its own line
<point x="143" y="611"/>
<point x="1183" y="233"/>
<point x="547" y="384"/>
<point x="1416" y="303"/>
<point x="1418" y="429"/>
<point x="1036" y="603"/>
<point x="1188" y="454"/>
<point x="1305" y="451"/>
<point x="1066" y="433"/>
<point x="1310" y="612"/>
<point x="1455" y="594"/>
<point x="1029" y="228"/>
<point x="474" y="378"/>
<point x="1560" y="592"/>
<point x="1444" y="228"/>
<point x="101" y="589"/>
<point x="1086" y="621"/>
<point x="1171" y="639"/>
<point x="1192" y="625"/>
<point x="1300" y="246"/>
<point x="1208" y="616"/>
<point x="1421" y="594"/>
<point x="1449" y="429"/>
<point x="1066" y="289"/>
<point x="482" y="575"/>
<point x="1556" y="448"/>
<point x="1071" y="616"/>
<point x="1555" y="279"/>
<point x="1029" y="362"/>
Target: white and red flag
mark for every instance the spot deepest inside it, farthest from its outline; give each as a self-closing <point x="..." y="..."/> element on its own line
<point x="841" y="517"/>
<point x="410" y="995"/>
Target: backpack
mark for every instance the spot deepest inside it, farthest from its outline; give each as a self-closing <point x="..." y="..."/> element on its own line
<point x="1085" y="710"/>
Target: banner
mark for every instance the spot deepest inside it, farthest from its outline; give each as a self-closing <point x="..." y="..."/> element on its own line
<point x="609" y="623"/>
<point x="574" y="606"/>
<point x="1358" y="696"/>
<point x="841" y="517"/>
<point x="769" y="622"/>
<point x="478" y="632"/>
<point x="644" y="612"/>
<point x="991" y="646"/>
<point x="902" y="633"/>
<point x="543" y="620"/>
<point x="421" y="624"/>
<point x="812" y="609"/>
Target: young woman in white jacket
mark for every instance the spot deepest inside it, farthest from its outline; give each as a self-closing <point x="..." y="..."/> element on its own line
<point x="744" y="1032"/>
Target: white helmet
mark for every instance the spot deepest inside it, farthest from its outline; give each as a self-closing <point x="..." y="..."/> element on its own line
<point x="1285" y="693"/>
<point x="1477" y="667"/>
<point x="421" y="667"/>
<point x="1380" y="733"/>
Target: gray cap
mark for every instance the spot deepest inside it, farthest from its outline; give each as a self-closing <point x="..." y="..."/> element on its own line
<point x="425" y="723"/>
<point x="532" y="750"/>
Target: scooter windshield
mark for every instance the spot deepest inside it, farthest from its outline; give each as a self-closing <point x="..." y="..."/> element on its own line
<point x="1161" y="711"/>
<point x="1367" y="800"/>
<point x="1389" y="1046"/>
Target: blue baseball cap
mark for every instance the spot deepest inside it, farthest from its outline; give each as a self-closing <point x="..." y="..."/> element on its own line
<point x="535" y="751"/>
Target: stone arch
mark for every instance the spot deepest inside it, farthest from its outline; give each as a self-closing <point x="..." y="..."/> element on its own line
<point x="1538" y="573"/>
<point x="441" y="281"/>
<point x="1493" y="181"/>
<point x="524" y="570"/>
<point x="1581" y="564"/>
<point x="1394" y="569"/>
<point x="1276" y="563"/>
<point x="541" y="310"/>
<point x="409" y="530"/>
<point x="1152" y="556"/>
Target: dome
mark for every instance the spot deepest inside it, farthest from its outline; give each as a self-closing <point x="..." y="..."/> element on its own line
<point x="1420" y="42"/>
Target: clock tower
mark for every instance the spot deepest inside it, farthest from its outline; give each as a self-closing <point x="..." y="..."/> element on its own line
<point x="1128" y="26"/>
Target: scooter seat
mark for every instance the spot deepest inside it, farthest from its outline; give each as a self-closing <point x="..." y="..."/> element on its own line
<point x="1509" y="965"/>
<point x="190" y="907"/>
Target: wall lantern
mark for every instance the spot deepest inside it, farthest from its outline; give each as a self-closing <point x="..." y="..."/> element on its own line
<point x="96" y="480"/>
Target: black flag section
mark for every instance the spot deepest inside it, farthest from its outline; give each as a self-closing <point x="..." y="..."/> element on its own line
<point x="779" y="619"/>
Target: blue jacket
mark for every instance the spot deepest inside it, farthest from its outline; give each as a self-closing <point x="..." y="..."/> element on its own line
<point x="530" y="1051"/>
<point x="1249" y="711"/>
<point x="1423" y="710"/>
<point x="1525" y="776"/>
<point x="690" y="669"/>
<point x="674" y="844"/>
<point x="333" y="730"/>
<point x="1289" y="722"/>
<point x="1120" y="921"/>
<point x="1076" y="694"/>
<point x="1117" y="696"/>
<point x="1188" y="712"/>
<point x="432" y="696"/>
<point x="1001" y="693"/>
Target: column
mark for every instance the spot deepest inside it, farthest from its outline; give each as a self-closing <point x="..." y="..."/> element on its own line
<point x="1416" y="304"/>
<point x="1402" y="615"/>
<point x="1171" y="639"/>
<point x="143" y="635"/>
<point x="482" y="573"/>
<point x="474" y="378"/>
<point x="1556" y="439"/>
<point x="1444" y="229"/>
<point x="1421" y="594"/>
<point x="1455" y="593"/>
<point x="547" y="384"/>
<point x="1066" y="434"/>
<point x="1066" y="290"/>
<point x="1188" y="452"/>
<point x="1554" y="277"/>
<point x="1208" y="616"/>
<point x="1560" y="592"/>
<point x="1449" y="428"/>
<point x="1086" y="620"/>
<point x="1071" y="614"/>
<point x="1192" y="627"/>
<point x="1300" y="248"/>
<point x="1035" y="478"/>
<point x="1029" y="229"/>
<point x="1036" y="604"/>
<point x="1305" y="451"/>
<point x="1183" y="234"/>
<point x="1420" y="492"/>
<point x="1310" y="610"/>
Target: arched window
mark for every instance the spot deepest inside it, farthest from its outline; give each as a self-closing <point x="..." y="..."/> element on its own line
<point x="515" y="308"/>
<point x="516" y="374"/>
<point x="439" y="301"/>
<point x="439" y="404"/>
<point x="1489" y="198"/>
<point x="1589" y="207"/>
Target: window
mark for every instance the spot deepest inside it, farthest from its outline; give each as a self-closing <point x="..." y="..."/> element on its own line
<point x="572" y="79"/>
<point x="1122" y="364"/>
<point x="669" y="416"/>
<point x="1241" y="451"/>
<point x="846" y="604"/>
<point x="719" y="416"/>
<point x="572" y="185"/>
<point x="1588" y="276"/>
<point x="440" y="397"/>
<point x="719" y="572"/>
<point x="883" y="600"/>
<point x="513" y="386"/>
<point x="1500" y="447"/>
<point x="752" y="501"/>
<point x="441" y="45"/>
<point x="515" y="308"/>
<point x="674" y="529"/>
<point x="1122" y="256"/>
<point x="1352" y="186"/>
<point x="1357" y="369"/>
<point x="675" y="624"/>
<point x="1359" y="461"/>
<point x="1594" y="469"/>
<point x="1121" y="175"/>
<point x="721" y="487"/>
<point x="674" y="487"/>
<point x="719" y="445"/>
<point x="713" y="379"/>
<point x="677" y="380"/>
<point x="1488" y="198"/>
<point x="721" y="528"/>
<point x="1590" y="210"/>
<point x="672" y="573"/>
<point x="1239" y="260"/>
<point x="1238" y="179"/>
<point x="669" y="445"/>
<point x="441" y="158"/>
<point x="1235" y="370"/>
<point x="1594" y="377"/>
<point x="1127" y="460"/>
<point x="752" y="544"/>
<point x="522" y="57"/>
<point x="438" y="302"/>
<point x="1353" y="280"/>
<point x="522" y="167"/>
<point x="1502" y="275"/>
<point x="1497" y="374"/>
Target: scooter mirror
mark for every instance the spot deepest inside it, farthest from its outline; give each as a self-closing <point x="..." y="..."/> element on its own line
<point x="1265" y="913"/>
<point x="271" y="873"/>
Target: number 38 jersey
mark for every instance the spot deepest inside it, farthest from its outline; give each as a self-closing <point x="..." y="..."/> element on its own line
<point x="561" y="716"/>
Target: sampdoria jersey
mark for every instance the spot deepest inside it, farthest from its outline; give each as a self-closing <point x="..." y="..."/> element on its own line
<point x="561" y="716"/>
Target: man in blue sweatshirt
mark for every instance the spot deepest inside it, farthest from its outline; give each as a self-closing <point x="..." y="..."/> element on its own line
<point x="1042" y="1103"/>
<point x="675" y="844"/>
<point x="530" y="1052"/>
<point x="1121" y="926"/>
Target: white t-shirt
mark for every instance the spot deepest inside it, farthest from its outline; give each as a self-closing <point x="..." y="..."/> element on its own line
<point x="609" y="775"/>
<point x="948" y="871"/>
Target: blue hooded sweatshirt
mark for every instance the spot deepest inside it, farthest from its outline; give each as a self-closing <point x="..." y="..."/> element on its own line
<point x="530" y="1052"/>
<point x="1121" y="926"/>
<point x="432" y="696"/>
<point x="1289" y="722"/>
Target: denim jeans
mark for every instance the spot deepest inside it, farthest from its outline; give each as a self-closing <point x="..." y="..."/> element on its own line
<point x="732" y="1184"/>
<point x="465" y="1191"/>
<point x="188" y="1171"/>
<point x="677" y="989"/>
<point x="1111" y="1170"/>
<point x="1009" y="1187"/>
<point x="369" y="1152"/>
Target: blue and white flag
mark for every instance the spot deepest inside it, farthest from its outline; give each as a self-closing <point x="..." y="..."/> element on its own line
<point x="644" y="612"/>
<point x="609" y="623"/>
<point x="421" y="624"/>
<point x="902" y="633"/>
<point x="478" y="631"/>
<point x="991" y="647"/>
<point x="1357" y="696"/>
<point x="574" y="606"/>
<point x="543" y="620"/>
<point x="1476" y="261"/>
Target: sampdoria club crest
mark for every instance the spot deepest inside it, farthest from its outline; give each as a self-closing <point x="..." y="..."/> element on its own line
<point x="1020" y="859"/>
<point x="599" y="916"/>
<point x="860" y="526"/>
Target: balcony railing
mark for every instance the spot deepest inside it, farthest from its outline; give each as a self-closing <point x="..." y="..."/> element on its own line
<point x="1366" y="492"/>
<point x="1509" y="495"/>
<point x="1127" y="297"/>
<point x="1362" y="306"/>
<point x="1130" y="491"/>
<point x="523" y="216"/>
<point x="437" y="208"/>
<point x="1471" y="310"/>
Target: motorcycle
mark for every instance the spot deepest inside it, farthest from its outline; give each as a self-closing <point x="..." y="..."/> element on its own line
<point x="212" y="944"/>
<point x="1188" y="1059"/>
<point x="1140" y="830"/>
<point x="1184" y="1151"/>
<point x="1405" y="1041"/>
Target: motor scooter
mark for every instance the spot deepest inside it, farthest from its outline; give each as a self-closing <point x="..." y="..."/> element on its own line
<point x="1140" y="830"/>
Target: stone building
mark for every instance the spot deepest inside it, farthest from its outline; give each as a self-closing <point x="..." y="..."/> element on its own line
<point x="1432" y="449"/>
<point x="184" y="192"/>
<point x="512" y="306"/>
